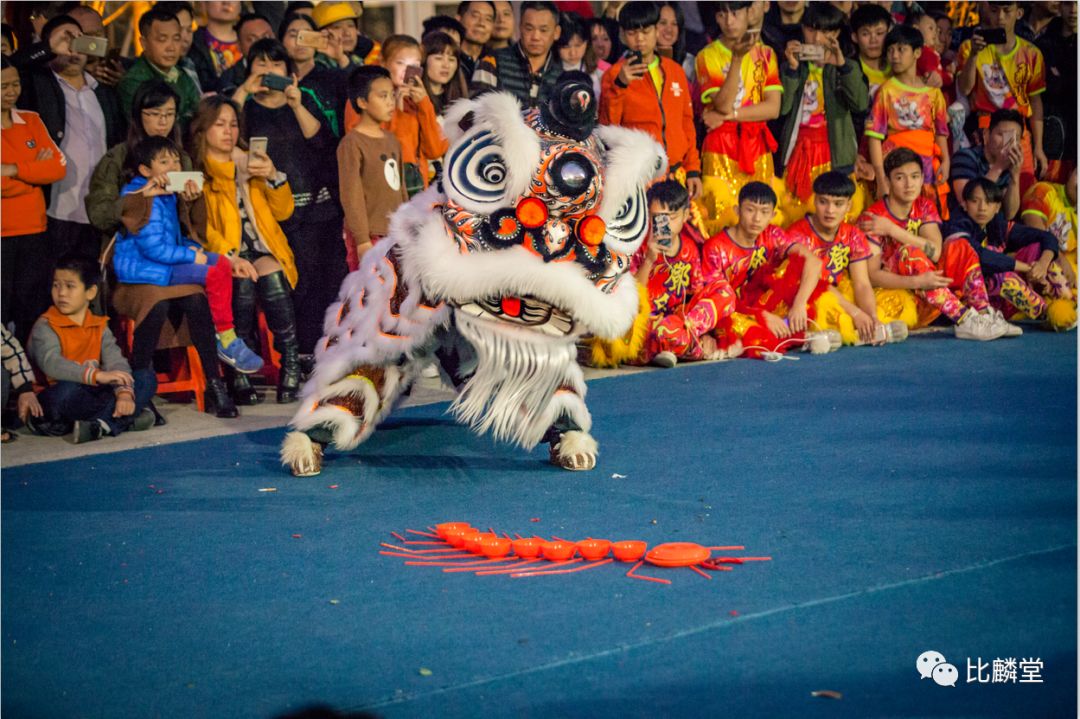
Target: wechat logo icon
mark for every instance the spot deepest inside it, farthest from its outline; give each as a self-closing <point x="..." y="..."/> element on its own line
<point x="932" y="665"/>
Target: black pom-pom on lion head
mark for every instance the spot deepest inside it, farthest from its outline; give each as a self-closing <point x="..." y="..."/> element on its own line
<point x="571" y="109"/>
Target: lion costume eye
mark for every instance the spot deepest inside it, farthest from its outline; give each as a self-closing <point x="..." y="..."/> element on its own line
<point x="630" y="221"/>
<point x="477" y="180"/>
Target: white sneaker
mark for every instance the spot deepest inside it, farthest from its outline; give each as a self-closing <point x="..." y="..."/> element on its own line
<point x="1011" y="330"/>
<point x="895" y="331"/>
<point x="667" y="360"/>
<point x="976" y="326"/>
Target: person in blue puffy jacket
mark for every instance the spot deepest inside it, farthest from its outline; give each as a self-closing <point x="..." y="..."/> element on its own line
<point x="159" y="254"/>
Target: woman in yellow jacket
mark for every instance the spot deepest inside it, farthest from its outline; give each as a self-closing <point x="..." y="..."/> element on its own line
<point x="244" y="200"/>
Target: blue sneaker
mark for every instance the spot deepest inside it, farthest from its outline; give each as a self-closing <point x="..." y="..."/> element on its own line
<point x="239" y="357"/>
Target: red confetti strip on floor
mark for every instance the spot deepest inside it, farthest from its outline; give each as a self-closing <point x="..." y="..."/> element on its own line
<point x="591" y="565"/>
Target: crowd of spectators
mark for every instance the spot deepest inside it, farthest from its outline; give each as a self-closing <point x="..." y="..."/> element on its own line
<point x="878" y="166"/>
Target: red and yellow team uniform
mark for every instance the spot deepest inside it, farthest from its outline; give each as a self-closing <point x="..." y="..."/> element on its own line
<point x="850" y="246"/>
<point x="1050" y="202"/>
<point x="958" y="262"/>
<point x="684" y="306"/>
<point x="765" y="278"/>
<point x="736" y="152"/>
<point x="1006" y="82"/>
<point x="913" y="117"/>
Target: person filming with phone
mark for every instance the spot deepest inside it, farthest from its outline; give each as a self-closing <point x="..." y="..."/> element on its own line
<point x="1000" y="160"/>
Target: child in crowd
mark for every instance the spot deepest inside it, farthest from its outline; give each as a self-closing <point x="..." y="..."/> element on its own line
<point x="155" y="252"/>
<point x="737" y="105"/>
<point x="818" y="103"/>
<point x="684" y="308"/>
<point x="775" y="278"/>
<point x="369" y="163"/>
<point x="652" y="95"/>
<point x="907" y="252"/>
<point x="929" y="65"/>
<point x="414" y="122"/>
<point x="907" y="113"/>
<point x="850" y="306"/>
<point x="1006" y="76"/>
<point x="1019" y="263"/>
<point x="1052" y="207"/>
<point x="90" y="382"/>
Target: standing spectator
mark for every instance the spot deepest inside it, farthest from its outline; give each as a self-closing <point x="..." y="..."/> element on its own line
<point x="250" y="28"/>
<point x="782" y="24"/>
<point x="999" y="160"/>
<point x="502" y="32"/>
<point x="869" y="26"/>
<point x="443" y="78"/>
<point x="604" y="37"/>
<point x="19" y="377"/>
<point x="1035" y="22"/>
<point x="1010" y="76"/>
<point x="529" y="69"/>
<point x="215" y="48"/>
<point x="446" y="24"/>
<point x="477" y="17"/>
<point x="185" y="14"/>
<point x="30" y="159"/>
<point x="107" y="71"/>
<point x="818" y="102"/>
<point x="414" y="122"/>
<point x="245" y="199"/>
<point x="324" y="86"/>
<point x="302" y="146"/>
<point x="671" y="35"/>
<point x="738" y="147"/>
<point x="1058" y="45"/>
<point x="83" y="117"/>
<point x="348" y="47"/>
<point x="652" y="95"/>
<point x="160" y="35"/>
<point x="574" y="50"/>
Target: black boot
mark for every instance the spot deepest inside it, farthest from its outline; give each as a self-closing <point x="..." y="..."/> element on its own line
<point x="244" y="297"/>
<point x="218" y="400"/>
<point x="281" y="319"/>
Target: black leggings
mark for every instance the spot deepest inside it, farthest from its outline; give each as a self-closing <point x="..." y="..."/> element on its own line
<point x="200" y="327"/>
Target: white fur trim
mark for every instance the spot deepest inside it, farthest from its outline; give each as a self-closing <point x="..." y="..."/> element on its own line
<point x="298" y="452"/>
<point x="574" y="443"/>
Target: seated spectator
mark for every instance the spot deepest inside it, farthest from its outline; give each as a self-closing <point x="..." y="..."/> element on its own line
<point x="684" y="308"/>
<point x="574" y="51"/>
<point x="851" y="305"/>
<point x="502" y="32"/>
<point x="414" y="121"/>
<point x="529" y="69"/>
<point x="907" y="252"/>
<point x="738" y="146"/>
<point x="31" y="160"/>
<point x="999" y="160"/>
<point x="650" y="93"/>
<point x="816" y="108"/>
<point x="250" y="28"/>
<point x="18" y="377"/>
<point x="369" y="162"/>
<point x="477" y="18"/>
<point x="185" y="14"/>
<point x="92" y="391"/>
<point x="160" y="36"/>
<point x="443" y="78"/>
<point x="302" y="147"/>
<point x="776" y="280"/>
<point x="1023" y="276"/>
<point x="604" y="38"/>
<point x="83" y="118"/>
<point x="322" y="85"/>
<point x="246" y="198"/>
<point x="341" y="25"/>
<point x="445" y="24"/>
<point x="215" y="47"/>
<point x="1007" y="76"/>
<point x="1052" y="207"/>
<point x="907" y="113"/>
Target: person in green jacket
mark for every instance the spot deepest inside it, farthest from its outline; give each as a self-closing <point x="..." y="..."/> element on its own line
<point x="159" y="32"/>
<point x="822" y="89"/>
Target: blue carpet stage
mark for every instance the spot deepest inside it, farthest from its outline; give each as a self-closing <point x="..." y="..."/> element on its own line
<point x="920" y="497"/>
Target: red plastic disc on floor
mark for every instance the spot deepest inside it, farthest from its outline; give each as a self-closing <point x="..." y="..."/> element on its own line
<point x="677" y="554"/>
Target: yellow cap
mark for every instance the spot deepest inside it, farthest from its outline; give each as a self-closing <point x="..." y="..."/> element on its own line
<point x="328" y="13"/>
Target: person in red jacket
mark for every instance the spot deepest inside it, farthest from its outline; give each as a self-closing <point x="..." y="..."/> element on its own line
<point x="648" y="92"/>
<point x="30" y="160"/>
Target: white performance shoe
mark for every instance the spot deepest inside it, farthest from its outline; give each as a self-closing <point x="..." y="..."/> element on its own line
<point x="1011" y="330"/>
<point x="976" y="326"/>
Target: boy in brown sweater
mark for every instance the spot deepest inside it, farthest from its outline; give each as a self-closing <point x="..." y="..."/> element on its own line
<point x="369" y="163"/>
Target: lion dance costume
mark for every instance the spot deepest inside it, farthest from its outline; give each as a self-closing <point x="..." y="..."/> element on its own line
<point x="493" y="274"/>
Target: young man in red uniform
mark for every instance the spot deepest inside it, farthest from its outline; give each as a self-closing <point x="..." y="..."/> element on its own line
<point x="774" y="278"/>
<point x="907" y="252"/>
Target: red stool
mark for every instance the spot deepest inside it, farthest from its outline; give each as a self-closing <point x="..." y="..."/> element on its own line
<point x="185" y="373"/>
<point x="271" y="357"/>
